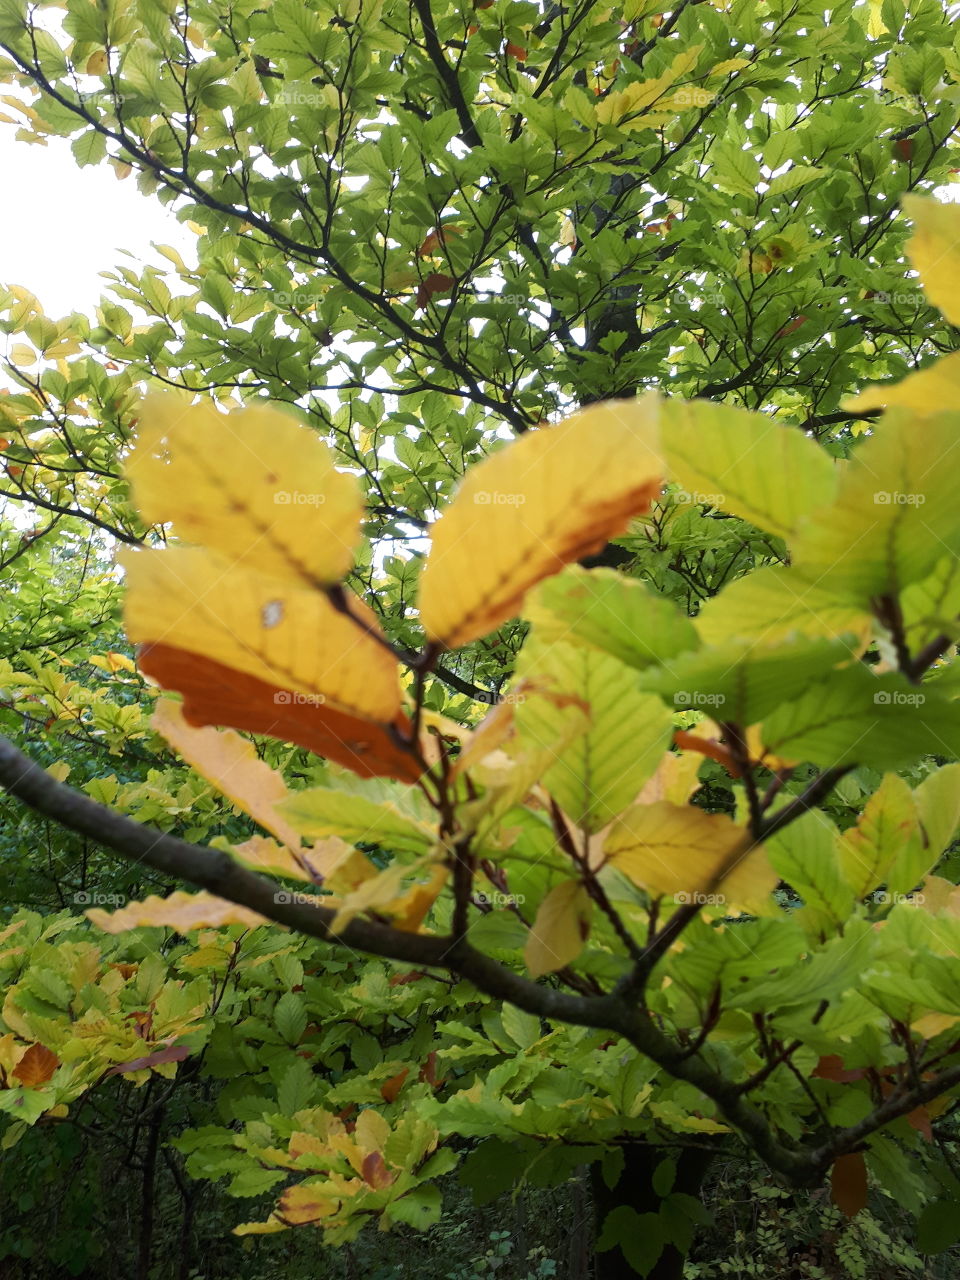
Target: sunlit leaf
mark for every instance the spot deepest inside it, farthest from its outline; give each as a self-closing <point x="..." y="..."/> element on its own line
<point x="552" y="496"/>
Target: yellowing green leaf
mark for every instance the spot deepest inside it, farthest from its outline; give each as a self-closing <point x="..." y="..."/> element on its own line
<point x="600" y="771"/>
<point x="254" y="485"/>
<point x="232" y="765"/>
<point x="895" y="513"/>
<point x="683" y="852"/>
<point x="770" y="474"/>
<point x="620" y="615"/>
<point x="934" y="249"/>
<point x="181" y="911"/>
<point x="268" y="627"/>
<point x="888" y="826"/>
<point x="561" y="928"/>
<point x="937" y="801"/>
<point x="322" y="811"/>
<point x="551" y="497"/>
<point x="773" y="605"/>
<point x="931" y="390"/>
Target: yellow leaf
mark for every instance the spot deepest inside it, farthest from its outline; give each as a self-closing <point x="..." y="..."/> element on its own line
<point x="97" y="63"/>
<point x="685" y="853"/>
<point x="181" y="911"/>
<point x="260" y="853"/>
<point x="232" y="765"/>
<point x="930" y="390"/>
<point x="675" y="779"/>
<point x="60" y="771"/>
<point x="304" y="1203"/>
<point x="551" y="497"/>
<point x="255" y="485"/>
<point x="22" y="355"/>
<point x="560" y="930"/>
<point x="268" y="627"/>
<point x="934" y="250"/>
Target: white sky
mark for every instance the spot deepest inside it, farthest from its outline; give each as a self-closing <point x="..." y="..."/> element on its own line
<point x="61" y="225"/>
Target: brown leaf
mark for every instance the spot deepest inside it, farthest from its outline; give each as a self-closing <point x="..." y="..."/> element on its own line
<point x="830" y="1067"/>
<point x="375" y="1172"/>
<point x="435" y="282"/>
<point x="173" y="1053"/>
<point x="919" y="1119"/>
<point x="215" y="694"/>
<point x="390" y="1088"/>
<point x="36" y="1066"/>
<point x="848" y="1183"/>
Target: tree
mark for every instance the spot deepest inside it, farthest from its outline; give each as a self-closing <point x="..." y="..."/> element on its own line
<point x="415" y="232"/>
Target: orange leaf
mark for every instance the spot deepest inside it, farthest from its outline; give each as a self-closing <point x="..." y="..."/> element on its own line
<point x="375" y="1172"/>
<point x="436" y="238"/>
<point x="36" y="1066"/>
<point x="848" y="1183"/>
<point x="517" y="51"/>
<point x="435" y="282"/>
<point x="390" y="1088"/>
<point x="687" y="741"/>
<point x="215" y="694"/>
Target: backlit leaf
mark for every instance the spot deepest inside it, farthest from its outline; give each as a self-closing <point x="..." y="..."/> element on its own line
<point x="934" y="250"/>
<point x="216" y="694"/>
<point x="561" y="928"/>
<point x="739" y="461"/>
<point x="266" y="627"/>
<point x="255" y="485"/>
<point x="551" y="497"/>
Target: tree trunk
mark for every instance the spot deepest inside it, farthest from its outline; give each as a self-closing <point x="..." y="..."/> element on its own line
<point x="635" y="1189"/>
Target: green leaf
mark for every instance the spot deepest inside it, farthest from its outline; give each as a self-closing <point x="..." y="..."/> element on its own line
<point x="938" y="1227"/>
<point x="742" y="683"/>
<point x="804" y="854"/>
<point x="856" y="717"/>
<point x="619" y="615"/>
<point x="895" y="514"/>
<point x="322" y="811"/>
<point x="297" y="1088"/>
<point x="640" y="1237"/>
<point x="419" y="1208"/>
<point x="522" y="1028"/>
<point x="290" y="1015"/>
<point x="602" y="770"/>
<point x="739" y="461"/>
